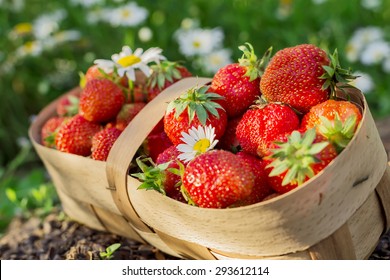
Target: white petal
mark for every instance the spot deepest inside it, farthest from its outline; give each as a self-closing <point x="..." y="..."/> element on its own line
<point x="144" y="68"/>
<point x="130" y="73"/>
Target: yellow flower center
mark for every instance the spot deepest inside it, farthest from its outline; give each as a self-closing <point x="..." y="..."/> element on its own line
<point x="202" y="145"/>
<point x="129" y="60"/>
<point x="23" y="28"/>
<point x="196" y="44"/>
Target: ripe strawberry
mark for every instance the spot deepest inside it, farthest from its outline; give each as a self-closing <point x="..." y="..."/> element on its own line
<point x="336" y="120"/>
<point x="239" y="82"/>
<point x="262" y="124"/>
<point x="94" y="72"/>
<point x="49" y="130"/>
<point x="155" y="144"/>
<point x="164" y="74"/>
<point x="217" y="179"/>
<point x="135" y="94"/>
<point x="103" y="141"/>
<point x="297" y="160"/>
<point x="302" y="76"/>
<point x="229" y="140"/>
<point x="75" y="136"/>
<point x="127" y="114"/>
<point x="101" y="100"/>
<point x="172" y="181"/>
<point x="261" y="188"/>
<point x="68" y="105"/>
<point x="193" y="108"/>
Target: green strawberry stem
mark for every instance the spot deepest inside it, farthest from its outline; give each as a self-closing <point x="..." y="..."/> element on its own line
<point x="337" y="132"/>
<point x="335" y="75"/>
<point x="296" y="156"/>
<point x="255" y="68"/>
<point x="152" y="176"/>
<point x="198" y="102"/>
<point x="162" y="72"/>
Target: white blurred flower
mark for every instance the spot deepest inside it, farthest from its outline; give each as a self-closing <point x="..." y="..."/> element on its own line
<point x="128" y="15"/>
<point x="61" y="37"/>
<point x="360" y="39"/>
<point x="318" y="2"/>
<point x="386" y="65"/>
<point x="215" y="60"/>
<point x="30" y="48"/>
<point x="189" y="23"/>
<point x="96" y="15"/>
<point x="371" y="4"/>
<point x="127" y="61"/>
<point x="375" y="52"/>
<point x="197" y="141"/>
<point x="87" y="3"/>
<point x="47" y="24"/>
<point x="199" y="41"/>
<point x="364" y="82"/>
<point x="145" y="34"/>
<point x="23" y="142"/>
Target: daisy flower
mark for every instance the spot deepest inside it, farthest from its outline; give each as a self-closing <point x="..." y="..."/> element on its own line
<point x="127" y="61"/>
<point x="128" y="15"/>
<point x="215" y="60"/>
<point x="375" y="52"/>
<point x="197" y="141"/>
<point x="364" y="82"/>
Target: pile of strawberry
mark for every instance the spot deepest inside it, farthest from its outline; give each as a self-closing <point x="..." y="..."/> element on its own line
<point x="262" y="128"/>
<point x="88" y="122"/>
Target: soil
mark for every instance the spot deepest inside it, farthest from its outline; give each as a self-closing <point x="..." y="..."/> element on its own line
<point x="57" y="237"/>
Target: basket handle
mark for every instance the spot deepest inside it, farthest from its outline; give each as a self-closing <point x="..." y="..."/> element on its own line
<point x="126" y="146"/>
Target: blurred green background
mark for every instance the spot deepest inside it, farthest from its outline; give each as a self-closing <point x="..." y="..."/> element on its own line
<point x="44" y="44"/>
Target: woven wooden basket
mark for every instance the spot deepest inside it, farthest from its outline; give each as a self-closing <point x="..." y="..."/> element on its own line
<point x="339" y="214"/>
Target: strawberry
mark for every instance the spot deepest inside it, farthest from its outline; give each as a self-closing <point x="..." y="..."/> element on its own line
<point x="217" y="179"/>
<point x="298" y="159"/>
<point x="302" y="76"/>
<point x="193" y="108"/>
<point x="155" y="144"/>
<point x="101" y="100"/>
<point x="261" y="188"/>
<point x="229" y="139"/>
<point x="102" y="142"/>
<point x="262" y="124"/>
<point x="336" y="120"/>
<point x="135" y="94"/>
<point x="94" y="72"/>
<point x="172" y="181"/>
<point x="239" y="82"/>
<point x="127" y="114"/>
<point x="49" y="130"/>
<point x="163" y="75"/>
<point x="75" y="136"/>
<point x="68" y="105"/>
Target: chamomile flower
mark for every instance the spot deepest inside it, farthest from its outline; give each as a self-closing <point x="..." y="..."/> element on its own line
<point x="127" y="61"/>
<point x="197" y="141"/>
<point x="375" y="52"/>
<point x="128" y="15"/>
<point x="363" y="82"/>
<point x="215" y="60"/>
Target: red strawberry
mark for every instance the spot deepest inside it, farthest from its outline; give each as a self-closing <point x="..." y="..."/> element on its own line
<point x="229" y="139"/>
<point x="136" y="94"/>
<point x="239" y="82"/>
<point x="261" y="188"/>
<point x="164" y="74"/>
<point x="336" y="120"/>
<point x="297" y="160"/>
<point x="68" y="105"/>
<point x="103" y="141"/>
<point x="94" y="72"/>
<point x="127" y="114"/>
<point x="302" y="76"/>
<point x="172" y="181"/>
<point x="49" y="129"/>
<point x="193" y="108"/>
<point x="262" y="124"/>
<point x="217" y="179"/>
<point x="75" y="136"/>
<point x="155" y="144"/>
<point x="101" y="100"/>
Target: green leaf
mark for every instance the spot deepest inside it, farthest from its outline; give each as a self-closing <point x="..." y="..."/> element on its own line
<point x="317" y="147"/>
<point x="290" y="175"/>
<point x="201" y="113"/>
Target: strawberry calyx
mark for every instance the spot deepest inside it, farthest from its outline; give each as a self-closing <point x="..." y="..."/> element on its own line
<point x="335" y="76"/>
<point x="180" y="172"/>
<point x="162" y="72"/>
<point x="254" y="67"/>
<point x="152" y="176"/>
<point x="296" y="156"/>
<point x="198" y="102"/>
<point x="338" y="133"/>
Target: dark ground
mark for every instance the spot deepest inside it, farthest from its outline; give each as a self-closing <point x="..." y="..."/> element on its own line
<point x="57" y="237"/>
